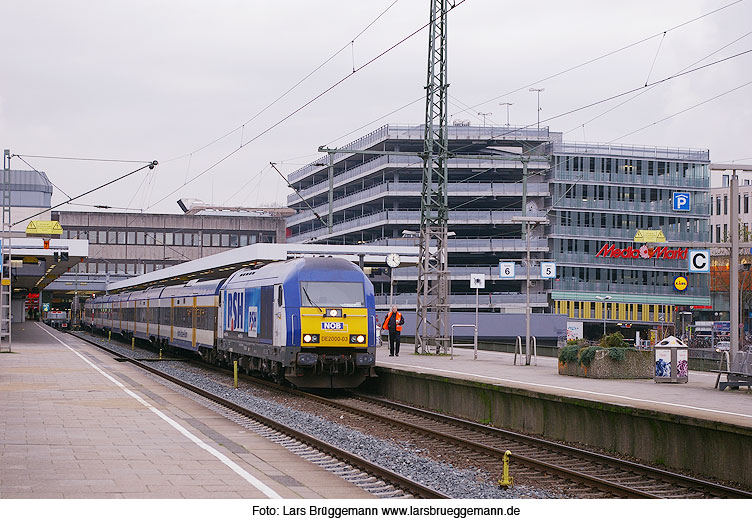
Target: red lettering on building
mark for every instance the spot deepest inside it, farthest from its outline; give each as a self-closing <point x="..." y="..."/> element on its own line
<point x="644" y="252"/>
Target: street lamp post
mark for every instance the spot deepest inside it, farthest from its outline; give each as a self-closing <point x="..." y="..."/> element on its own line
<point x="507" y="105"/>
<point x="539" y="90"/>
<point x="484" y="114"/>
<point x="604" y="299"/>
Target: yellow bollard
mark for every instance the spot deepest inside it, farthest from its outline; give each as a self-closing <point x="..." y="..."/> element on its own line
<point x="160" y="354"/>
<point x="133" y="344"/>
<point x="109" y="335"/>
<point x="506" y="480"/>
<point x="235" y="372"/>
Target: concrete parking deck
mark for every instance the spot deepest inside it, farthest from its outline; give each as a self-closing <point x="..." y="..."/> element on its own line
<point x="75" y="423"/>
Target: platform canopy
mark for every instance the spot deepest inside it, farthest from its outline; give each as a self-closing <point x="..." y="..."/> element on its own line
<point x="225" y="263"/>
<point x="38" y="262"/>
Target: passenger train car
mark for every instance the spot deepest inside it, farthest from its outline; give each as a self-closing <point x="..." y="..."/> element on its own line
<point x="310" y="321"/>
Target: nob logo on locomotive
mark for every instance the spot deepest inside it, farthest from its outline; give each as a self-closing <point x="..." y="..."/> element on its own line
<point x="332" y="326"/>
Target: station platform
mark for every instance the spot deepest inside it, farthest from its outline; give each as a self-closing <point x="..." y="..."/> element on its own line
<point x="76" y="423"/>
<point x="697" y="398"/>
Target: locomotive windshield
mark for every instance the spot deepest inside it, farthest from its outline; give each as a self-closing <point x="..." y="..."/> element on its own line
<point x="331" y="294"/>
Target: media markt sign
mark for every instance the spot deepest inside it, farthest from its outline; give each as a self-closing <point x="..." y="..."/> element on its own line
<point x="643" y="252"/>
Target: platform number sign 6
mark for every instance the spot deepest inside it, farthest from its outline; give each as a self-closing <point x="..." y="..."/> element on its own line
<point x="548" y="270"/>
<point x="506" y="270"/>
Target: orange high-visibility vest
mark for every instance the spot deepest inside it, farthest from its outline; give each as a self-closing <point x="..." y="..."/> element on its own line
<point x="386" y="321"/>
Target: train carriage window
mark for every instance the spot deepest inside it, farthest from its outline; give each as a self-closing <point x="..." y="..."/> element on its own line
<point x="280" y="299"/>
<point x="205" y="318"/>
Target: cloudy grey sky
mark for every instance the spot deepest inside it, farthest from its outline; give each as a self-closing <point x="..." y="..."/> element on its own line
<point x="143" y="80"/>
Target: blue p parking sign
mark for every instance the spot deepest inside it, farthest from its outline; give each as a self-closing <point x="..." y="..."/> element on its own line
<point x="681" y="201"/>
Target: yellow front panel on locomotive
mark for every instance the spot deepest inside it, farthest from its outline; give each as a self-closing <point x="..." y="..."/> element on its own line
<point x="334" y="327"/>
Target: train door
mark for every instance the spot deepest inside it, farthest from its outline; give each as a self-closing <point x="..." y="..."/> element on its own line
<point x="193" y="322"/>
<point x="280" y="323"/>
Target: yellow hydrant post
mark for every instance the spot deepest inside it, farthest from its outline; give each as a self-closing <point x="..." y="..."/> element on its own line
<point x="133" y="343"/>
<point x="506" y="480"/>
<point x="235" y="372"/>
<point x="109" y="335"/>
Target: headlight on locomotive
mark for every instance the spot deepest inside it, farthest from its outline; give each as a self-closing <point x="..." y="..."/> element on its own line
<point x="310" y="338"/>
<point x="358" y="339"/>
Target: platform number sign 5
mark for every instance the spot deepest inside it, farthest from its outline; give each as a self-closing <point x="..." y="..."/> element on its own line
<point x="548" y="270"/>
<point x="506" y="270"/>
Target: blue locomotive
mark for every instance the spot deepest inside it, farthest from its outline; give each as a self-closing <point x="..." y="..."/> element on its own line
<point x="310" y="321"/>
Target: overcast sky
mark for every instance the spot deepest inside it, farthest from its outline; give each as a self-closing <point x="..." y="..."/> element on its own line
<point x="143" y="80"/>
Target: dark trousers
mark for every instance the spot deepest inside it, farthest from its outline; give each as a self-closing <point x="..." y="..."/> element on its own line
<point x="394" y="342"/>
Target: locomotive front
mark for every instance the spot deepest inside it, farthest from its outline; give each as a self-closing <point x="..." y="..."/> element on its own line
<point x="337" y="327"/>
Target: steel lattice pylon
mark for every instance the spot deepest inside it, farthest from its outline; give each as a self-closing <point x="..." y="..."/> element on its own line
<point x="432" y="310"/>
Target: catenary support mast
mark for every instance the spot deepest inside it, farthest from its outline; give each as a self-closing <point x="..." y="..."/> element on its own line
<point x="432" y="311"/>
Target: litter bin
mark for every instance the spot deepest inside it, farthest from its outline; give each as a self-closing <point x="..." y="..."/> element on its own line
<point x="671" y="361"/>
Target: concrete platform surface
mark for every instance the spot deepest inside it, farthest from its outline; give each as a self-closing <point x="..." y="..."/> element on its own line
<point x="697" y="398"/>
<point x="75" y="423"/>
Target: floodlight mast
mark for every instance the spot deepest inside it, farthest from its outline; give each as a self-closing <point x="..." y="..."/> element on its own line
<point x="432" y="311"/>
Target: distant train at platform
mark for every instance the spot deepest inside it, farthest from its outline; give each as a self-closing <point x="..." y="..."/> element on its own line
<point x="309" y="321"/>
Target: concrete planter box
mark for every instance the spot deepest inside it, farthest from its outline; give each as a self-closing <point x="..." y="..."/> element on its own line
<point x="573" y="369"/>
<point x="636" y="365"/>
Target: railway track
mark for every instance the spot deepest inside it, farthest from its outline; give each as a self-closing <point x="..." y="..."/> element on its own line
<point x="579" y="472"/>
<point x="605" y="475"/>
<point x="370" y="476"/>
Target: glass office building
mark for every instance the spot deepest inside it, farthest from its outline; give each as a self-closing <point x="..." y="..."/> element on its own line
<point x="601" y="195"/>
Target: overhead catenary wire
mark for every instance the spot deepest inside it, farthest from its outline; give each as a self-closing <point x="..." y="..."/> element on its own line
<point x="626" y="92"/>
<point x="286" y="92"/>
<point x="302" y="107"/>
<point x="301" y="196"/>
<point x="150" y="166"/>
<point x="40" y="174"/>
<point x="698" y="61"/>
<point x="655" y="58"/>
<point x="603" y="56"/>
<point x="683" y="111"/>
<point x="78" y="158"/>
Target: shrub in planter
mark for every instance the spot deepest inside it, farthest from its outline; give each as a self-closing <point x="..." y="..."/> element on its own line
<point x="569" y="354"/>
<point x="613" y="340"/>
<point x="588" y="353"/>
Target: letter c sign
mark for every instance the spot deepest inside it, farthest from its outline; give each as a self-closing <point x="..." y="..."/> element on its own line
<point x="699" y="261"/>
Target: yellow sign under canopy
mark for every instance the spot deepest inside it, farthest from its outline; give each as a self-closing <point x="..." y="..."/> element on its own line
<point x="649" y="236"/>
<point x="44" y="227"/>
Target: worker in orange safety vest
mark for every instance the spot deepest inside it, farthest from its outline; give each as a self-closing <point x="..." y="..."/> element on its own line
<point x="393" y="323"/>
